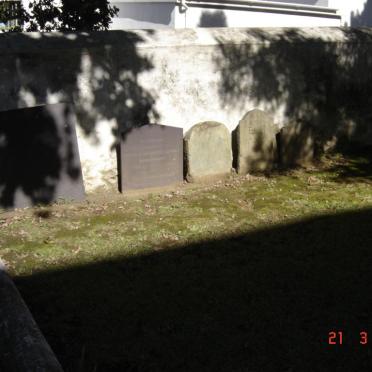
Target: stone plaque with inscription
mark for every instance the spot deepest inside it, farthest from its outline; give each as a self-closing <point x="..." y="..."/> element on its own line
<point x="39" y="156"/>
<point x="151" y="156"/>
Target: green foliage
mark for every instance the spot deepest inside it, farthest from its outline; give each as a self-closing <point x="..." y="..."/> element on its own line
<point x="9" y="13"/>
<point x="65" y="15"/>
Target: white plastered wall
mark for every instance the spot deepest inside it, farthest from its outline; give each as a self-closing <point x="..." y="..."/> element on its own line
<point x="183" y="77"/>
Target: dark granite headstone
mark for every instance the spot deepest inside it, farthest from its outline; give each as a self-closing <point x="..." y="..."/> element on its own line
<point x="39" y="156"/>
<point x="151" y="156"/>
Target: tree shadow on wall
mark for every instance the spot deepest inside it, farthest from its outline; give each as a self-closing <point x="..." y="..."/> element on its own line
<point x="96" y="72"/>
<point x="39" y="157"/>
<point x="324" y="86"/>
<point x="261" y="301"/>
<point x="364" y="18"/>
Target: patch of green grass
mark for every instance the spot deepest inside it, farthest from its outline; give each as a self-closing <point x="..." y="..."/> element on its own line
<point x="248" y="274"/>
<point x="78" y="234"/>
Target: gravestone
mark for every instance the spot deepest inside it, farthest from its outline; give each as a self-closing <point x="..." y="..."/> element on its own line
<point x="39" y="156"/>
<point x="297" y="145"/>
<point x="150" y="156"/>
<point x="255" y="146"/>
<point x="208" y="152"/>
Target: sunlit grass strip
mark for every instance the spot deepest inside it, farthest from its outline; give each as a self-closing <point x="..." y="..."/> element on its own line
<point x="97" y="230"/>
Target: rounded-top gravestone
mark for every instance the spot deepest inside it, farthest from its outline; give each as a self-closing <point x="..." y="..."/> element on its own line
<point x="297" y="144"/>
<point x="255" y="142"/>
<point x="208" y="152"/>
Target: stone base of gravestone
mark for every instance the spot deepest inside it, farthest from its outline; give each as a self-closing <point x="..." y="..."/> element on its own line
<point x="207" y="151"/>
<point x="255" y="143"/>
<point x="151" y="156"/>
<point x="297" y="145"/>
<point x="39" y="156"/>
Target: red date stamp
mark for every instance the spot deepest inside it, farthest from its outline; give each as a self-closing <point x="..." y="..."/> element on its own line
<point x="337" y="338"/>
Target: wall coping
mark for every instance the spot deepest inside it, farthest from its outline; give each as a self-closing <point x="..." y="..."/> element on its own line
<point x="36" y="42"/>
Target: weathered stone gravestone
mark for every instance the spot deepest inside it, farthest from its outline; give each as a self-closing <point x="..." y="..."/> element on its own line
<point x="254" y="140"/>
<point x="208" y="152"/>
<point x="39" y="156"/>
<point x="297" y="145"/>
<point x="151" y="156"/>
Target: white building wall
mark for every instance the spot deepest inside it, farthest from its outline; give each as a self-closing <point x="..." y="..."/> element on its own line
<point x="201" y="17"/>
<point x="143" y="15"/>
<point x="154" y="14"/>
<point x="159" y="14"/>
<point x="347" y="8"/>
<point x="304" y="2"/>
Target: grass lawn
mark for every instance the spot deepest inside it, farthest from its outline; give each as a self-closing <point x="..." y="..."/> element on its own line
<point x="248" y="274"/>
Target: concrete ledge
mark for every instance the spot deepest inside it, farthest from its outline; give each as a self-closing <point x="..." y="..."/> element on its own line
<point x="35" y="42"/>
<point x="22" y="345"/>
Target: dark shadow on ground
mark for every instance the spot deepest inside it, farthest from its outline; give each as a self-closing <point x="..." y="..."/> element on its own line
<point x="324" y="88"/>
<point x="97" y="73"/>
<point x="261" y="301"/>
